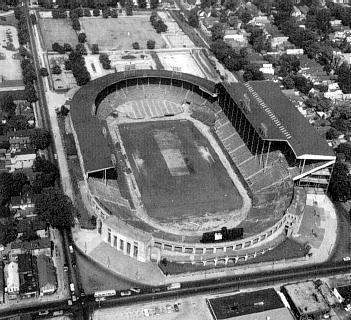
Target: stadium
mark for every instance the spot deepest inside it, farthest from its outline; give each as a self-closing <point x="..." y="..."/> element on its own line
<point x="182" y="168"/>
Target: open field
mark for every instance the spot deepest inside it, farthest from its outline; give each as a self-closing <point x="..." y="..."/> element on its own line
<point x="10" y="65"/>
<point x="119" y="34"/>
<point x="177" y="171"/>
<point x="57" y="30"/>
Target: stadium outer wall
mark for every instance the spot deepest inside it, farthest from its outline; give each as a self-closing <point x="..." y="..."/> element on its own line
<point x="138" y="244"/>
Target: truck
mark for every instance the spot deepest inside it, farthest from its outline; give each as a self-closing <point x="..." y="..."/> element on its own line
<point x="174" y="286"/>
<point x="71" y="287"/>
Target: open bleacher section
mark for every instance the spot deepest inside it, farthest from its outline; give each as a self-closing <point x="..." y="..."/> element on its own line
<point x="148" y="97"/>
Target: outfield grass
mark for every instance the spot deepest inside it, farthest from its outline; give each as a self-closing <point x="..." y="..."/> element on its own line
<point x="187" y="183"/>
<point x="120" y="33"/>
<point x="57" y="30"/>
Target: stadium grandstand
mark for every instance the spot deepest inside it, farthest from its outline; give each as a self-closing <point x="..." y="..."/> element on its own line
<point x="275" y="153"/>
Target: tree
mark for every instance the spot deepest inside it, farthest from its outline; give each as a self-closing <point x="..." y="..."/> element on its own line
<point x="96" y="12"/>
<point x="288" y="82"/>
<point x="142" y="4"/>
<point x="332" y="134"/>
<point x="193" y="18"/>
<point x="302" y="84"/>
<point x="8" y="105"/>
<point x="129" y="7"/>
<point x="86" y="12"/>
<point x="56" y="69"/>
<point x="30" y="93"/>
<point x="44" y="166"/>
<point x="29" y="235"/>
<point x="19" y="179"/>
<point x="345" y="148"/>
<point x="105" y="13"/>
<point x="136" y="45"/>
<point x="344" y="78"/>
<point x="67" y="47"/>
<point x="105" y="61"/>
<point x="340" y="182"/>
<point x="82" y="37"/>
<point x="95" y="48"/>
<point x="114" y="13"/>
<point x="23" y="52"/>
<point x="58" y="48"/>
<point x="18" y="122"/>
<point x="75" y="24"/>
<point x="33" y="19"/>
<point x="68" y="65"/>
<point x="154" y="4"/>
<point x="150" y="44"/>
<point x="5" y="187"/>
<point x="55" y="208"/>
<point x="40" y="138"/>
<point x="29" y="75"/>
<point x="217" y="32"/>
<point x="252" y="73"/>
<point x="43" y="72"/>
<point x="232" y="4"/>
<point x="81" y="49"/>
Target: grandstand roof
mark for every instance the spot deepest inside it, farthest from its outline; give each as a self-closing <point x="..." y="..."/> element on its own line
<point x="284" y="122"/>
<point x="92" y="144"/>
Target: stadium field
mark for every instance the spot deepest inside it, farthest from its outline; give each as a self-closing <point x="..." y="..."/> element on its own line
<point x="177" y="171"/>
<point x="57" y="30"/>
<point x="119" y="34"/>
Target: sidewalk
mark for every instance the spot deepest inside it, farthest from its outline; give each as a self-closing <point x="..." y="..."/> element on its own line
<point x="90" y="243"/>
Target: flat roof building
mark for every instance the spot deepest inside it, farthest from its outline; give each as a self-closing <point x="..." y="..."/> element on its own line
<point x="306" y="300"/>
<point x="262" y="304"/>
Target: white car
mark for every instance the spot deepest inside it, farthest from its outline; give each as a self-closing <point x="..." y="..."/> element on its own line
<point x="346" y="258"/>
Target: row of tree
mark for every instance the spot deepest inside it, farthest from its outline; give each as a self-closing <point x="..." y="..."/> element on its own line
<point x="77" y="65"/>
<point x="157" y="22"/>
<point x="150" y="44"/>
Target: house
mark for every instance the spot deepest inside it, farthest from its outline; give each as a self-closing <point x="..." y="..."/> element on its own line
<point x="207" y="23"/>
<point x="28" y="275"/>
<point x="12" y="280"/>
<point x="21" y="159"/>
<point x="277" y="39"/>
<point x="35" y="247"/>
<point x="335" y="24"/>
<point x="25" y="109"/>
<point x="342" y="1"/>
<point x="294" y="97"/>
<point x="20" y="139"/>
<point x="296" y="12"/>
<point x="22" y="202"/>
<point x="313" y="71"/>
<point x="47" y="275"/>
<point x="32" y="224"/>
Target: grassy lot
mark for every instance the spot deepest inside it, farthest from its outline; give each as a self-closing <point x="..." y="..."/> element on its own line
<point x="57" y="30"/>
<point x="120" y="33"/>
<point x="177" y="171"/>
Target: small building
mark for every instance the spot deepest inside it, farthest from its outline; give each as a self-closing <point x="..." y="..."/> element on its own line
<point x="23" y="202"/>
<point x="35" y="247"/>
<point x="12" y="280"/>
<point x="306" y="300"/>
<point x="21" y="159"/>
<point x="32" y="225"/>
<point x="46" y="275"/>
<point x="262" y="304"/>
<point x="20" y="139"/>
<point x="28" y="275"/>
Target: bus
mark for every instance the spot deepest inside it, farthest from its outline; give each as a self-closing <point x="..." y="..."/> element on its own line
<point x="104" y="293"/>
